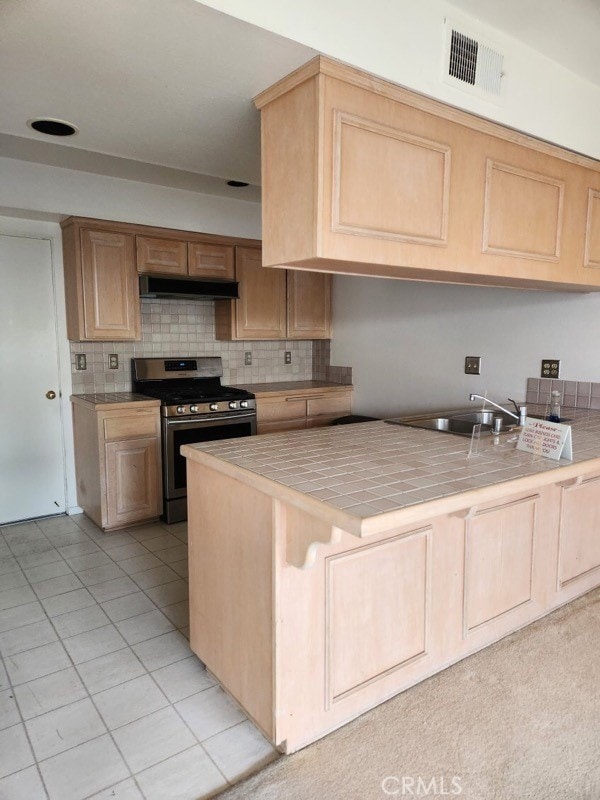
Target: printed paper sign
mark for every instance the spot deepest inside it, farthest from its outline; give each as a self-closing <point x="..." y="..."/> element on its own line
<point x="546" y="439"/>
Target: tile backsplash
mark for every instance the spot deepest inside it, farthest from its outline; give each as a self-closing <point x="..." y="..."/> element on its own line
<point x="574" y="394"/>
<point x="182" y="328"/>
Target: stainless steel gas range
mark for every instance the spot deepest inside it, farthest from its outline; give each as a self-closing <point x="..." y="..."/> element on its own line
<point x="195" y="407"/>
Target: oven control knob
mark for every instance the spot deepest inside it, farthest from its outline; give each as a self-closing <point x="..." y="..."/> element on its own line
<point x="181" y="409"/>
<point x="193" y="409"/>
<point x="214" y="406"/>
<point x="233" y="404"/>
<point x="244" y="404"/>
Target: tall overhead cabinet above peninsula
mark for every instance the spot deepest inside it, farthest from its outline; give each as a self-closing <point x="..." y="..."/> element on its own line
<point x="364" y="177"/>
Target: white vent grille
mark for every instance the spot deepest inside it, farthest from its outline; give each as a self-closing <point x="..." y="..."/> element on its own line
<point x="472" y="64"/>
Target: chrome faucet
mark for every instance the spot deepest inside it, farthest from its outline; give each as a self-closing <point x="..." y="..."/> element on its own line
<point x="522" y="416"/>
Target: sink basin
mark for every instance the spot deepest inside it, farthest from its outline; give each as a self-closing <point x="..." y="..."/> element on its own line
<point x="459" y="422"/>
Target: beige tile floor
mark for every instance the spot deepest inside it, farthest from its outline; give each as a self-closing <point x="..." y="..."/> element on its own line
<point x="100" y="694"/>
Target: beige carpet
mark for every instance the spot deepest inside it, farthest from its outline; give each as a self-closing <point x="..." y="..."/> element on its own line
<point x="518" y="721"/>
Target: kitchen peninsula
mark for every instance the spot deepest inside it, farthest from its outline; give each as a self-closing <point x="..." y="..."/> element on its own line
<point x="332" y="568"/>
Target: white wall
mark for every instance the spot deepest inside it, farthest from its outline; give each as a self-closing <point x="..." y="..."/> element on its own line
<point x="40" y="188"/>
<point x="402" y="41"/>
<point x="407" y="341"/>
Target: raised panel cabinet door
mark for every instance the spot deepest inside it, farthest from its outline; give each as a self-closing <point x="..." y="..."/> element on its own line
<point x="261" y="308"/>
<point x="499" y="546"/>
<point x="523" y="215"/>
<point x="161" y="256"/>
<point x="579" y="537"/>
<point x="110" y="290"/>
<point x="592" y="231"/>
<point x="211" y="260"/>
<point x="308" y="305"/>
<point x="132" y="481"/>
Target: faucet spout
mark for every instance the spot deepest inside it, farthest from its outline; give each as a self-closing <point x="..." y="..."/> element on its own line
<point x="491" y="402"/>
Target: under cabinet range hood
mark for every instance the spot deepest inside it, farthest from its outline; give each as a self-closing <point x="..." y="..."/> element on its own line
<point x="187" y="288"/>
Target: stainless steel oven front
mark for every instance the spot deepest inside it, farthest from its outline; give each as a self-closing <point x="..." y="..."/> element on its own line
<point x="178" y="431"/>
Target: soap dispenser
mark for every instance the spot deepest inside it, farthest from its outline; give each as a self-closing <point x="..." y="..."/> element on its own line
<point x="554" y="414"/>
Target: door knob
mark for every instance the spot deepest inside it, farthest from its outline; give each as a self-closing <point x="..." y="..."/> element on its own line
<point x="50" y="395"/>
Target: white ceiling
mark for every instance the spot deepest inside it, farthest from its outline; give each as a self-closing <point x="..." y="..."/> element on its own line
<point x="162" y="82"/>
<point x="162" y="89"/>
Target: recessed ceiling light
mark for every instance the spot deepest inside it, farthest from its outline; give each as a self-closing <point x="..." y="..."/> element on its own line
<point x="52" y="127"/>
<point x="237" y="184"/>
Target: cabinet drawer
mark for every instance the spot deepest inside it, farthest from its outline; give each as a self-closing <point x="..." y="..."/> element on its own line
<point x="329" y="404"/>
<point x="281" y="425"/>
<point x="163" y="256"/>
<point x="292" y="407"/>
<point x="211" y="261"/>
<point x="126" y="427"/>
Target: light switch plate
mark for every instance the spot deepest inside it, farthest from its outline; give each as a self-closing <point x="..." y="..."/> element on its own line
<point x="472" y="365"/>
<point x="550" y="368"/>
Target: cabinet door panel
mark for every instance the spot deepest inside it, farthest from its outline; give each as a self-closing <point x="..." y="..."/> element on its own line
<point x="161" y="256"/>
<point x="388" y="183"/>
<point x="498" y="561"/>
<point x="132" y="480"/>
<point x="579" y="548"/>
<point x="261" y="308"/>
<point x="592" y="232"/>
<point x="309" y="305"/>
<point x="110" y="292"/>
<point x="523" y="213"/>
<point x="211" y="261"/>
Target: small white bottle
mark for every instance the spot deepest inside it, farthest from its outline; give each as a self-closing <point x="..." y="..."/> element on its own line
<point x="554" y="414"/>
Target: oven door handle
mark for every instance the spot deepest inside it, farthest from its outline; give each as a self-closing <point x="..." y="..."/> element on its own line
<point x="172" y="423"/>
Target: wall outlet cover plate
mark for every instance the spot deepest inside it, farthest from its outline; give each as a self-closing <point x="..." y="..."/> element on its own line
<point x="472" y="365"/>
<point x="550" y="368"/>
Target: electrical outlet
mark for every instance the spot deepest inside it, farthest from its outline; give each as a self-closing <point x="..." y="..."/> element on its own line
<point x="248" y="358"/>
<point x="287" y="357"/>
<point x="550" y="368"/>
<point x="113" y="361"/>
<point x="472" y="365"/>
<point x="80" y="361"/>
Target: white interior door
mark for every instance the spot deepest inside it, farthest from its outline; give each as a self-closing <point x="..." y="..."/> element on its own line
<point x="32" y="461"/>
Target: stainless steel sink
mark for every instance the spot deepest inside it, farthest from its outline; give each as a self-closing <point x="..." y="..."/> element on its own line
<point x="458" y="422"/>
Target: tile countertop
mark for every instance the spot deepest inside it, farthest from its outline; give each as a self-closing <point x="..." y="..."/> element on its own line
<point x="114" y="400"/>
<point x="359" y="476"/>
<point x="289" y="387"/>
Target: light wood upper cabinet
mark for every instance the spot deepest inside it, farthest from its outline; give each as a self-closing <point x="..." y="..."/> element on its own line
<point x="101" y="288"/>
<point x="274" y="303"/>
<point x="161" y="256"/>
<point x="211" y="261"/>
<point x="390" y="183"/>
<point x="308" y="305"/>
<point x="175" y="257"/>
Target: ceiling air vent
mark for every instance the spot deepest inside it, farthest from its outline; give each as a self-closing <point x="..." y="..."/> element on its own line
<point x="472" y="64"/>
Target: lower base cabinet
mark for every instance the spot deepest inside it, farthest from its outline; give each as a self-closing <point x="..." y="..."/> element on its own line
<point x="302" y="409"/>
<point x="118" y="465"/>
<point x="379" y="613"/>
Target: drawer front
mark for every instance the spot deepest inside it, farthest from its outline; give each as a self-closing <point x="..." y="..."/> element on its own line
<point x="211" y="260"/>
<point x="292" y="407"/>
<point x="162" y="256"/>
<point x="330" y="404"/>
<point x="281" y="425"/>
<point x="131" y="426"/>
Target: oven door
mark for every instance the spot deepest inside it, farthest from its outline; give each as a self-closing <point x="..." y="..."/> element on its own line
<point x="193" y="430"/>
